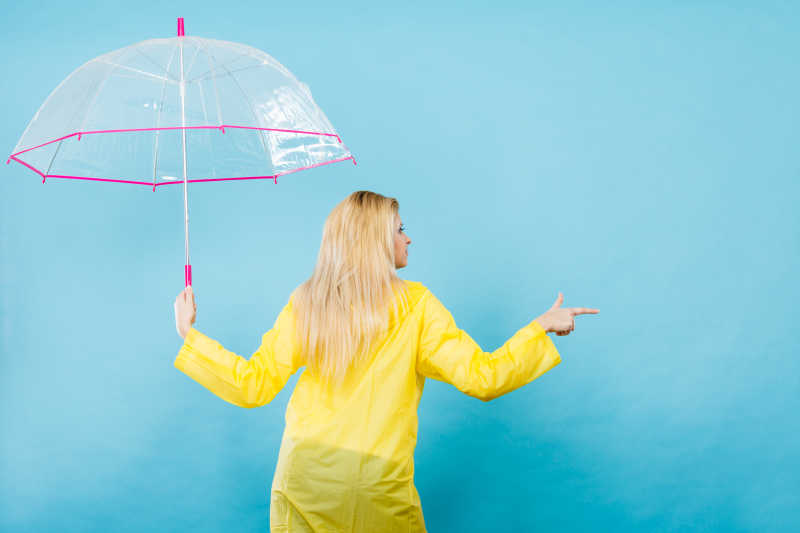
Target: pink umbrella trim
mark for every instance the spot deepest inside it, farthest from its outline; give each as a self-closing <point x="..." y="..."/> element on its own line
<point x="154" y="185"/>
<point x="221" y="127"/>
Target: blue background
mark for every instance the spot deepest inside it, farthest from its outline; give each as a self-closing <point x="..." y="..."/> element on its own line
<point x="640" y="159"/>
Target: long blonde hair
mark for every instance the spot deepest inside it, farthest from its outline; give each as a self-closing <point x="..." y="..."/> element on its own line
<point x="348" y="301"/>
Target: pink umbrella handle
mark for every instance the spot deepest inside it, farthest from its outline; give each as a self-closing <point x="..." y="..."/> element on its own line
<point x="187" y="274"/>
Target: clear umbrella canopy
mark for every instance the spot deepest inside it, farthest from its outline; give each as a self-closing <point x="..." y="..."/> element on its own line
<point x="123" y="116"/>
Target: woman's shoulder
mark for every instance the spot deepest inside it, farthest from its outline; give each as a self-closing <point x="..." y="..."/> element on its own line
<point x="416" y="291"/>
<point x="415" y="286"/>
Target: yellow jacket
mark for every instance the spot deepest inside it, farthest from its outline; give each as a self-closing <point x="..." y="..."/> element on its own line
<point x="346" y="458"/>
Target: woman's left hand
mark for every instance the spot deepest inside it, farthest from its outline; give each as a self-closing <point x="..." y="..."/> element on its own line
<point x="185" y="311"/>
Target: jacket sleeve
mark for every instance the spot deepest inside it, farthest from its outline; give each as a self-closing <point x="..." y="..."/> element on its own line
<point x="449" y="354"/>
<point x="243" y="382"/>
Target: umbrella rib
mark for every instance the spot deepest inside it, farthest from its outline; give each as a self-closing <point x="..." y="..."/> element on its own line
<point x="138" y="71"/>
<point x="268" y="60"/>
<point x="213" y="67"/>
<point x="83" y="122"/>
<point x="54" y="91"/>
<point x="52" y="159"/>
<point x="252" y="110"/>
<point x="209" y="75"/>
<point x="158" y="117"/>
<point x="210" y="72"/>
<point x="247" y="99"/>
<point x="97" y="92"/>
<point x="203" y="103"/>
<point x="153" y="61"/>
<point x="205" y="117"/>
<point x="191" y="65"/>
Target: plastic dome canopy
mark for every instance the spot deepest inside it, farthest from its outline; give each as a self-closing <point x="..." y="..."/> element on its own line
<point x="120" y="116"/>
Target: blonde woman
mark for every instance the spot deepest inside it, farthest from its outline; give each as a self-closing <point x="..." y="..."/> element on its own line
<point x="367" y="340"/>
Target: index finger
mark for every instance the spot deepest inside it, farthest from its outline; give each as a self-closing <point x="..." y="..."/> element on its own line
<point x="583" y="311"/>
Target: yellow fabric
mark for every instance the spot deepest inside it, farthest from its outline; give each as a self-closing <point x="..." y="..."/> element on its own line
<point x="346" y="457"/>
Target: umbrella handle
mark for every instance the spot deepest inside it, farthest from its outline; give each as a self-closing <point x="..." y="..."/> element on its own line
<point x="187" y="274"/>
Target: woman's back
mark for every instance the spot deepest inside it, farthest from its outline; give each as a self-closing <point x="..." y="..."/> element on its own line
<point x="346" y="458"/>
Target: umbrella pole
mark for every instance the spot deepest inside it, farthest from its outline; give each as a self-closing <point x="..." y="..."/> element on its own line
<point x="187" y="269"/>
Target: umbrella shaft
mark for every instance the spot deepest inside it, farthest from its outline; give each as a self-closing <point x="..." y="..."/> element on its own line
<point x="188" y="272"/>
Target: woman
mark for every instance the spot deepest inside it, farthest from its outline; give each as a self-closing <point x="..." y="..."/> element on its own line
<point x="368" y="340"/>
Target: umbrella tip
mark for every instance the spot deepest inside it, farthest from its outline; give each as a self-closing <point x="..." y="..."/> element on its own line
<point x="180" y="26"/>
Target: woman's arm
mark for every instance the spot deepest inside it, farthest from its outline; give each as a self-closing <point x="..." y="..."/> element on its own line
<point x="449" y="354"/>
<point x="244" y="382"/>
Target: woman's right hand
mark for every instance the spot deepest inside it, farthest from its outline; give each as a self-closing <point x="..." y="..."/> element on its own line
<point x="561" y="320"/>
<point x="185" y="311"/>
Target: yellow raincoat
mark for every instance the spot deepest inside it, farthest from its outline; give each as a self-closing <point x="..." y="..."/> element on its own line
<point x="346" y="458"/>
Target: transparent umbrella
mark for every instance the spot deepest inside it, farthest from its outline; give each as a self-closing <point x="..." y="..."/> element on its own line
<point x="179" y="110"/>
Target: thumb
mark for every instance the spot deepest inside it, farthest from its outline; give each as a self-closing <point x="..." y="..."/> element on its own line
<point x="558" y="302"/>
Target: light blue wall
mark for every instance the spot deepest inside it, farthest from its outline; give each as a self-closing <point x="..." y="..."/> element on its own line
<point x="641" y="160"/>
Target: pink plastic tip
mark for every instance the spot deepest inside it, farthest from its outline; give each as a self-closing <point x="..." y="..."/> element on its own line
<point x="180" y="26"/>
<point x="187" y="273"/>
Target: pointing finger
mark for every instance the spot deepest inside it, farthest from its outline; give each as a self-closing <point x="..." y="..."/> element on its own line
<point x="583" y="311"/>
